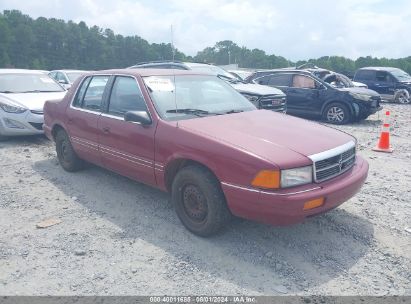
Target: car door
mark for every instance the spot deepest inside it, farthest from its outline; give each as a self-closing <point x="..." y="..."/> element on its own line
<point x="384" y="83"/>
<point x="303" y="95"/>
<point x="127" y="147"/>
<point x="82" y="117"/>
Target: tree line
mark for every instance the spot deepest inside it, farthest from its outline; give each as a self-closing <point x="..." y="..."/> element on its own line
<point x="54" y="44"/>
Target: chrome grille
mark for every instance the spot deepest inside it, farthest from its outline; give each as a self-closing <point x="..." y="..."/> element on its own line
<point x="333" y="162"/>
<point x="273" y="102"/>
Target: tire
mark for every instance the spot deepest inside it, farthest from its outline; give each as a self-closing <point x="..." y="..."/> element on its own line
<point x="199" y="201"/>
<point x="68" y="159"/>
<point x="402" y="96"/>
<point x="337" y="113"/>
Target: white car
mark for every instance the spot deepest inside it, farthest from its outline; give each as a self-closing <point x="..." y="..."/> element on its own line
<point x="22" y="97"/>
<point x="66" y="77"/>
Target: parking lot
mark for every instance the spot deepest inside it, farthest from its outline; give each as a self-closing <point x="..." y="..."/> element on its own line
<point x="119" y="237"/>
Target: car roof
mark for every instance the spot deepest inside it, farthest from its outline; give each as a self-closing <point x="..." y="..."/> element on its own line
<point x="379" y="68"/>
<point x="74" y="71"/>
<point x="21" y="71"/>
<point x="148" y="72"/>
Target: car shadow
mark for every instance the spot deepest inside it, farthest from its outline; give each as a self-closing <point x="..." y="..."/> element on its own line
<point x="254" y="256"/>
<point x="24" y="141"/>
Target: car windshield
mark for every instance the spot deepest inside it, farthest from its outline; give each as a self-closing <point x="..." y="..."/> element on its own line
<point x="72" y="76"/>
<point x="27" y="83"/>
<point x="400" y="75"/>
<point x="338" y="80"/>
<point x="182" y="97"/>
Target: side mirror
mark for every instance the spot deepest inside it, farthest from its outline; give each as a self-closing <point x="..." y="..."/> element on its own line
<point x="140" y="117"/>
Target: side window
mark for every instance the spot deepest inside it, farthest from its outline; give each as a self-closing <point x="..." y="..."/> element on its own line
<point x="365" y="75"/>
<point x="126" y="96"/>
<point x="303" y="82"/>
<point x="60" y="77"/>
<point x="80" y="93"/>
<point x="282" y="80"/>
<point x="382" y="76"/>
<point x="263" y="80"/>
<point x="94" y="94"/>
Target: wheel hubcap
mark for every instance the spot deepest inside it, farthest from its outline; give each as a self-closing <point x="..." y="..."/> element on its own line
<point x="64" y="150"/>
<point x="335" y="114"/>
<point x="195" y="205"/>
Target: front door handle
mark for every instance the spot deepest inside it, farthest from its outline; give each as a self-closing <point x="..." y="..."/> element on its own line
<point x="70" y="120"/>
<point x="106" y="129"/>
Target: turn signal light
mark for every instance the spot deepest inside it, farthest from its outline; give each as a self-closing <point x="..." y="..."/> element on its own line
<point x="314" y="203"/>
<point x="267" y="179"/>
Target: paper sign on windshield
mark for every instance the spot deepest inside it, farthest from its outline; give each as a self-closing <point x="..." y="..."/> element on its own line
<point x="159" y="84"/>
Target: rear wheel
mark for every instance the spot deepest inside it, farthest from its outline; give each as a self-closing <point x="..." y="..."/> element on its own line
<point x="337" y="113"/>
<point x="402" y="96"/>
<point x="199" y="201"/>
<point x="66" y="155"/>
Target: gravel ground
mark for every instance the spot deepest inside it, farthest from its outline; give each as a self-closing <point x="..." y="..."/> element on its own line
<point x="119" y="237"/>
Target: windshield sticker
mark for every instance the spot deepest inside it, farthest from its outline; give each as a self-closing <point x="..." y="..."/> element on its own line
<point x="46" y="80"/>
<point x="159" y="84"/>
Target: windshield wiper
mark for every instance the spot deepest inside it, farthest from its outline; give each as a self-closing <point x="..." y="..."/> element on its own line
<point x="234" y="111"/>
<point x="39" y="91"/>
<point x="229" y="79"/>
<point x="197" y="112"/>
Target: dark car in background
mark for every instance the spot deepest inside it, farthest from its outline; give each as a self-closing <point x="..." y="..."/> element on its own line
<point x="310" y="96"/>
<point x="392" y="83"/>
<point x="261" y="96"/>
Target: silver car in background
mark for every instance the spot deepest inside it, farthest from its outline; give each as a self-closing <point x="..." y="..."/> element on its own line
<point x="66" y="77"/>
<point x="22" y="97"/>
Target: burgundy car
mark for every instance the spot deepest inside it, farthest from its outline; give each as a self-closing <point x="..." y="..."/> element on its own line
<point x="196" y="137"/>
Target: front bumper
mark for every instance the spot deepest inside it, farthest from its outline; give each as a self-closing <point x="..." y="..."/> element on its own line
<point x="286" y="207"/>
<point x="27" y="123"/>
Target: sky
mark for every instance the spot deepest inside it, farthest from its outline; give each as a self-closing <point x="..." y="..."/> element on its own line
<point x="296" y="30"/>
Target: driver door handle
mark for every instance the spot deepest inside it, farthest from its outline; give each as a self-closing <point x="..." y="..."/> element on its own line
<point x="106" y="129"/>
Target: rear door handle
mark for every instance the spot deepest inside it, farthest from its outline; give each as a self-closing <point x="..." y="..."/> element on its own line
<point x="106" y="129"/>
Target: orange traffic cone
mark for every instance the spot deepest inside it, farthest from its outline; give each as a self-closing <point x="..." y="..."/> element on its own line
<point x="384" y="142"/>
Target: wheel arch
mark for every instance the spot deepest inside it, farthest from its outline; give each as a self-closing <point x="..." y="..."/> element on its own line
<point x="175" y="165"/>
<point x="57" y="127"/>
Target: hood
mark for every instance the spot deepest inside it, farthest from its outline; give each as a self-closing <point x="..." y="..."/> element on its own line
<point x="32" y="101"/>
<point x="360" y="90"/>
<point x="281" y="139"/>
<point x="256" y="89"/>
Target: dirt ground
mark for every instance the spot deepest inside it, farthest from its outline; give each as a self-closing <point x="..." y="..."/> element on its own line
<point x="119" y="237"/>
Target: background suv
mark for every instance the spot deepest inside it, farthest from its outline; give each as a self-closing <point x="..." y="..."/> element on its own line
<point x="308" y="95"/>
<point x="393" y="84"/>
<point x="261" y="96"/>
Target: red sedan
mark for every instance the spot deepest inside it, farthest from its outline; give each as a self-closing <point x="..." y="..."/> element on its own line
<point x="196" y="137"/>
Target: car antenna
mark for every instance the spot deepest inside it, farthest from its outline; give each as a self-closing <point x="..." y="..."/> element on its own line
<point x="174" y="74"/>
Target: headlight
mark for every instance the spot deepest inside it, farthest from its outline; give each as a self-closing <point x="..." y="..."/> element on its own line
<point x="363" y="97"/>
<point x="296" y="176"/>
<point x="251" y="98"/>
<point x="12" y="109"/>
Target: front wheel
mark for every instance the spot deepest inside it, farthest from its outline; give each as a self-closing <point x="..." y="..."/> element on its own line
<point x="66" y="155"/>
<point x="337" y="113"/>
<point x="199" y="201"/>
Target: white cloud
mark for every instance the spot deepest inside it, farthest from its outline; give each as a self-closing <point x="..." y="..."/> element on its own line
<point x="293" y="29"/>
